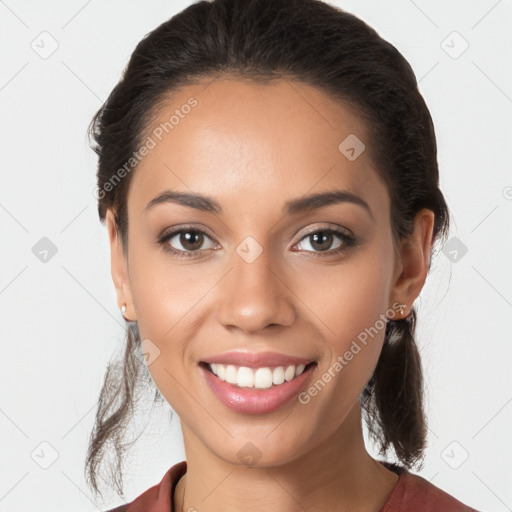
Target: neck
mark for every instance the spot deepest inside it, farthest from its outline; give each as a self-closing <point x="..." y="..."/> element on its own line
<point x="336" y="474"/>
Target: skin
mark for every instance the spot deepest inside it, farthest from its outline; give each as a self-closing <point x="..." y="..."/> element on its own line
<point x="252" y="147"/>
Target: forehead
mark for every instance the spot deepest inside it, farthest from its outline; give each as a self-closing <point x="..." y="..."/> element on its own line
<point x="261" y="140"/>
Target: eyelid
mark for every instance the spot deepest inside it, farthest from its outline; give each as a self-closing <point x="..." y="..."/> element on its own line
<point x="344" y="235"/>
<point x="327" y="227"/>
<point x="173" y="230"/>
<point x="175" y="233"/>
<point x="169" y="233"/>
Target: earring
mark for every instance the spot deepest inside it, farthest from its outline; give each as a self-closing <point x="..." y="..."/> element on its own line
<point x="408" y="316"/>
<point x="123" y="309"/>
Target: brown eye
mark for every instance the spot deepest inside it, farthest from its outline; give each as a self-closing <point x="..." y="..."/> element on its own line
<point x="327" y="242"/>
<point x="191" y="240"/>
<point x="184" y="242"/>
<point x="321" y="240"/>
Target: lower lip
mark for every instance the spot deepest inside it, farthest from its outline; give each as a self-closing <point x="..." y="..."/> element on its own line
<point x="256" y="401"/>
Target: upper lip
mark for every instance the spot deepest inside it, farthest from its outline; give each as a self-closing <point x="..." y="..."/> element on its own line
<point x="257" y="360"/>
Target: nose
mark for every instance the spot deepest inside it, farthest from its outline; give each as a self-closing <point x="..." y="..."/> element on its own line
<point x="256" y="294"/>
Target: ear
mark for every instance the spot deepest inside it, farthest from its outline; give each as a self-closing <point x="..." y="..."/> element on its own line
<point x="413" y="260"/>
<point x="119" y="267"/>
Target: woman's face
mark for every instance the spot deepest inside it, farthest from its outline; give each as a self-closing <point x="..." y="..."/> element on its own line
<point x="254" y="277"/>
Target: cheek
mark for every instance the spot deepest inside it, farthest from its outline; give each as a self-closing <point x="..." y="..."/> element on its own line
<point x="352" y="296"/>
<point x="172" y="301"/>
<point x="350" y="305"/>
<point x="164" y="293"/>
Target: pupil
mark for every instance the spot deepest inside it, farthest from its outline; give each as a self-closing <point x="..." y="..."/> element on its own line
<point x="323" y="238"/>
<point x="189" y="238"/>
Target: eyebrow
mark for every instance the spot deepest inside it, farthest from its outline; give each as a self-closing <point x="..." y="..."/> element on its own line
<point x="321" y="199"/>
<point x="197" y="201"/>
<point x="292" y="207"/>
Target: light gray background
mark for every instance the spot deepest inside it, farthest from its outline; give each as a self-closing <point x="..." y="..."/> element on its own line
<point x="60" y="323"/>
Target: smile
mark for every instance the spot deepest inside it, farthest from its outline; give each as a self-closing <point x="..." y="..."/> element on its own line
<point x="256" y="390"/>
<point x="256" y="378"/>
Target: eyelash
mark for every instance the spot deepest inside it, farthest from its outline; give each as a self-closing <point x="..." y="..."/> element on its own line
<point x="348" y="241"/>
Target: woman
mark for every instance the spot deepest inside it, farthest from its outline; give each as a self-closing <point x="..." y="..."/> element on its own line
<point x="269" y="182"/>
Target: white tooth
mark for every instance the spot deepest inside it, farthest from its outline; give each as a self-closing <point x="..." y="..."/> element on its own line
<point x="221" y="371"/>
<point x="263" y="378"/>
<point x="245" y="377"/>
<point x="278" y="375"/>
<point x="231" y="374"/>
<point x="260" y="378"/>
<point x="289" y="373"/>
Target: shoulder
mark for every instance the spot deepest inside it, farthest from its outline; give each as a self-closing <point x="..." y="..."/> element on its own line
<point x="414" y="493"/>
<point x="158" y="498"/>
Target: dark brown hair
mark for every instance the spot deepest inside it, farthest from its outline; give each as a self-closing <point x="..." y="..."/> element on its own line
<point x="320" y="45"/>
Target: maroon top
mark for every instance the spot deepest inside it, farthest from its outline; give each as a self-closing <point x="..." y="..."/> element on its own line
<point x="412" y="493"/>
